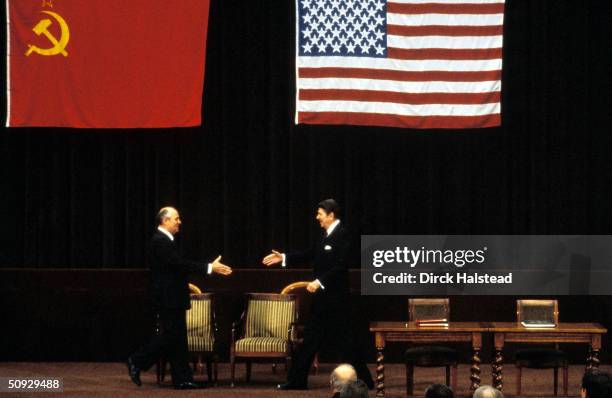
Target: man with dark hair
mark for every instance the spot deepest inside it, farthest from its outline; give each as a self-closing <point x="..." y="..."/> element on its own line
<point x="438" y="391"/>
<point x="354" y="389"/>
<point x="330" y="206"/>
<point x="596" y="384"/>
<point x="330" y="321"/>
<point x="170" y="293"/>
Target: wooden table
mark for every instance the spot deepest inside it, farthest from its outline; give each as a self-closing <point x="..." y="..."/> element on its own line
<point x="513" y="332"/>
<point x="469" y="332"/>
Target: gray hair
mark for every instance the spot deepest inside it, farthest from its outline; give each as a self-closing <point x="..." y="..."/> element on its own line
<point x="162" y="215"/>
<point x="487" y="392"/>
<point x="339" y="379"/>
<point x="354" y="389"/>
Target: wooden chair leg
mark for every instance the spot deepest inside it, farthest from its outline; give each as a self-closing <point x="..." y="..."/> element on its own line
<point x="447" y="369"/>
<point x="454" y="378"/>
<point x="519" y="375"/>
<point x="200" y="364"/>
<point x="315" y="364"/>
<point x="232" y="370"/>
<point x="215" y="369"/>
<point x="556" y="381"/>
<point x="248" y="371"/>
<point x="209" y="370"/>
<point x="409" y="380"/>
<point x="158" y="372"/>
<point x="565" y="379"/>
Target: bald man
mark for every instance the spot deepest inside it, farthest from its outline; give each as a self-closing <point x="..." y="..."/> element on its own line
<point x="170" y="291"/>
<point x="487" y="392"/>
<point x="342" y="375"/>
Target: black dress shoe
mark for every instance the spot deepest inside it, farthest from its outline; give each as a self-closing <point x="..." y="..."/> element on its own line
<point x="291" y="386"/>
<point x="189" y="385"/>
<point x="134" y="372"/>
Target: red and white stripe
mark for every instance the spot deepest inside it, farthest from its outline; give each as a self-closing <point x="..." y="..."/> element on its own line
<point x="443" y="70"/>
<point x="8" y="63"/>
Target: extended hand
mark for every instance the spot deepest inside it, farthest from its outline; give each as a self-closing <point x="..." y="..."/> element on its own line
<point x="219" y="268"/>
<point x="272" y="258"/>
<point x="313" y="286"/>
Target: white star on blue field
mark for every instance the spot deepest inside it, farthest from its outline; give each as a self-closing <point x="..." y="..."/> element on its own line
<point x="343" y="28"/>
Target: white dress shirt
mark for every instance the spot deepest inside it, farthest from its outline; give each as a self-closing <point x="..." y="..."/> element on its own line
<point x="328" y="232"/>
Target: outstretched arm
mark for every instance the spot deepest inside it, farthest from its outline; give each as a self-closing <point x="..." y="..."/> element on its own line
<point x="174" y="260"/>
<point x="219" y="268"/>
<point x="274" y="257"/>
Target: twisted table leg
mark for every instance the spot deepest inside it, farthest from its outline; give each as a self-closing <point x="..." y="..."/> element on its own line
<point x="475" y="370"/>
<point x="497" y="371"/>
<point x="593" y="359"/>
<point x="380" y="373"/>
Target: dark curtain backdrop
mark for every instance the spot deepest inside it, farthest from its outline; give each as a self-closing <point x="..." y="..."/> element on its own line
<point x="248" y="179"/>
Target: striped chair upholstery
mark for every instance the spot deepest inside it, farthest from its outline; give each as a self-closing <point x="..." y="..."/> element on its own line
<point x="269" y="318"/>
<point x="262" y="344"/>
<point x="200" y="336"/>
<point x="263" y="331"/>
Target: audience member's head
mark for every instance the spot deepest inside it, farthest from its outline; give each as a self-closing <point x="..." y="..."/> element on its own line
<point x="342" y="375"/>
<point x="354" y="389"/>
<point x="438" y="391"/>
<point x="596" y="384"/>
<point x="487" y="392"/>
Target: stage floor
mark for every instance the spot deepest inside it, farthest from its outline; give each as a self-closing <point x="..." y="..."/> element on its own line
<point x="111" y="380"/>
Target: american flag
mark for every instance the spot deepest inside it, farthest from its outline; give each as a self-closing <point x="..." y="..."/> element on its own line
<point x="399" y="63"/>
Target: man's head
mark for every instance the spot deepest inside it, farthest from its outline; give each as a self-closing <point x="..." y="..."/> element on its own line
<point x="354" y="389"/>
<point x="169" y="219"/>
<point x="342" y="375"/>
<point x="328" y="211"/>
<point x="487" y="392"/>
<point x="438" y="391"/>
<point x="596" y="384"/>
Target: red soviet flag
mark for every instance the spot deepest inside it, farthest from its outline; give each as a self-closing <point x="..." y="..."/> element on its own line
<point x="106" y="63"/>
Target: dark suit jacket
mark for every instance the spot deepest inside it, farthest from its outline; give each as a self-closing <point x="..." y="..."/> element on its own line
<point x="328" y="256"/>
<point x="169" y="273"/>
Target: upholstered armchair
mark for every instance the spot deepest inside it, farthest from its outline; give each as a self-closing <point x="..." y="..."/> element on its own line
<point x="304" y="301"/>
<point x="201" y="332"/>
<point x="265" y="331"/>
<point x="201" y="335"/>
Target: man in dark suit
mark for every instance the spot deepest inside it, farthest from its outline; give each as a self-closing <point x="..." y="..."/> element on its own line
<point x="170" y="293"/>
<point x="330" y="320"/>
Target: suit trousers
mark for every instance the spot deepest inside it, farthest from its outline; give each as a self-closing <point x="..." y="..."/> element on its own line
<point x="169" y="343"/>
<point x="328" y="330"/>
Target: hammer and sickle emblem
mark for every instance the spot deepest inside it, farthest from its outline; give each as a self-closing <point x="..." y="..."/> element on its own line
<point x="59" y="46"/>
